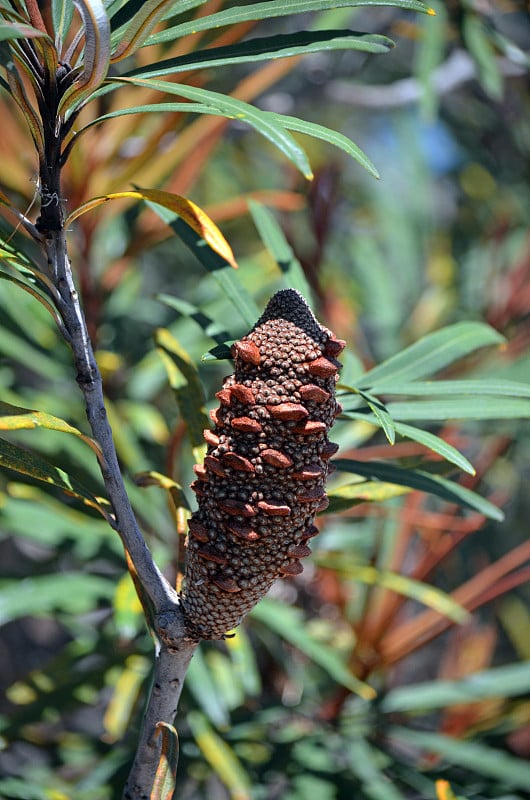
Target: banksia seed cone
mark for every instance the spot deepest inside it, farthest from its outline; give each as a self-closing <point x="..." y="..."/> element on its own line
<point x="263" y="477"/>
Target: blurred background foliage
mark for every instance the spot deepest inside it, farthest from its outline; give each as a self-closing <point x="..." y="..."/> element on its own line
<point x="364" y="676"/>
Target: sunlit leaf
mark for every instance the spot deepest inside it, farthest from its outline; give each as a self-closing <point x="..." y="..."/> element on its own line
<point x="423" y="593"/>
<point x="266" y="47"/>
<point x="483" y="387"/>
<point x="431" y="354"/>
<point x="462" y="408"/>
<point x="18" y="30"/>
<point x="128" y="617"/>
<point x="351" y="494"/>
<point x="232" y="108"/>
<point x="189" y="212"/>
<point x="271" y="9"/>
<point x="125" y="693"/>
<point x="185" y="382"/>
<point x="288" y="623"/>
<point x="15" y="418"/>
<point x="221" y="757"/>
<point x="22" y="461"/>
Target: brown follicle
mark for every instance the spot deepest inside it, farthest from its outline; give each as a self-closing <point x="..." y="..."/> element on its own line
<point x="226" y="583"/>
<point x="275" y="458"/>
<point x="246" y="425"/>
<point x="247" y="351"/>
<point x="210" y="437"/>
<point x="273" y="508"/>
<point x="334" y="347"/>
<point x="236" y="461"/>
<point x="315" y="393"/>
<point x="211" y="554"/>
<point x="323" y="367"/>
<point x="214" y="465"/>
<point x="299" y="551"/>
<point x="266" y="466"/>
<point x="236" y="508"/>
<point x="223" y="396"/>
<point x="243" y="394"/>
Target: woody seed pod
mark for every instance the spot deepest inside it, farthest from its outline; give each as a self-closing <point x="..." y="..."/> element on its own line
<point x="264" y="474"/>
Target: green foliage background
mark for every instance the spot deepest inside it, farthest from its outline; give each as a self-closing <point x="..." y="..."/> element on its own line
<point x="438" y="248"/>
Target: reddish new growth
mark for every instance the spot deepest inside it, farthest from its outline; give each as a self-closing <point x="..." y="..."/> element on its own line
<point x="263" y="478"/>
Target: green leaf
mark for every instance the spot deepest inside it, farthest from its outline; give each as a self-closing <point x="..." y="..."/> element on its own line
<point x="241" y="300"/>
<point x="422" y="480"/>
<point x="209" y="326"/>
<point x="482" y="387"/>
<point x="352" y="494"/>
<point x="42" y="595"/>
<point x="221" y="757"/>
<point x="287" y="622"/>
<point x="22" y="461"/>
<point x="267" y="47"/>
<point x="15" y="418"/>
<point x="274" y="240"/>
<point x="364" y="761"/>
<point x="462" y="408"/>
<point x="430" y="440"/>
<point x="18" y="30"/>
<point x="166" y="771"/>
<point x="96" y="57"/>
<point x="121" y="13"/>
<point x="62" y="14"/>
<point x="141" y="25"/>
<point x="423" y="593"/>
<point x="507" y="681"/>
<point x="230" y="107"/>
<point x="330" y="136"/>
<point x="185" y="382"/>
<point x="480" y="759"/>
<point x="381" y="414"/>
<point x="483" y="53"/>
<point x="271" y="9"/>
<point x="432" y="353"/>
<point x="201" y="685"/>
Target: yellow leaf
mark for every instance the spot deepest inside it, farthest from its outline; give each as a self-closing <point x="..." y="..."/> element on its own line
<point x="191" y="214"/>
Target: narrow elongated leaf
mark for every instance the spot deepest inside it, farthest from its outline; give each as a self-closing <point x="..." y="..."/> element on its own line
<point x="364" y="763"/>
<point x="381" y="414"/>
<point x="477" y="388"/>
<point x="18" y="30"/>
<point x="287" y="622"/>
<point x="191" y="214"/>
<point x="209" y="326"/>
<point x="166" y="771"/>
<point x="185" y="382"/>
<point x="122" y="13"/>
<point x="5" y="276"/>
<point x="274" y="240"/>
<point x="70" y="592"/>
<point x="508" y="681"/>
<point x="432" y="353"/>
<point x="422" y="480"/>
<point x="475" y="756"/>
<point x="22" y="461"/>
<point x="430" y="440"/>
<point x="483" y="53"/>
<point x="201" y="685"/>
<point x="462" y="408"/>
<point x="429" y="596"/>
<point x="96" y="58"/>
<point x="62" y="14"/>
<point x="327" y="135"/>
<point x="283" y="45"/>
<point x="15" y="418"/>
<point x="231" y="108"/>
<point x="221" y="757"/>
<point x="140" y="27"/>
<point x="242" y="302"/>
<point x="352" y="494"/>
<point x="271" y="9"/>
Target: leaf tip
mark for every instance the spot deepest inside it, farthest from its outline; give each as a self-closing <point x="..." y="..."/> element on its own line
<point x="431" y="12"/>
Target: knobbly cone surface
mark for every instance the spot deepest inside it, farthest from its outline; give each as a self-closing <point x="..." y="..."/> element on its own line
<point x="263" y="478"/>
